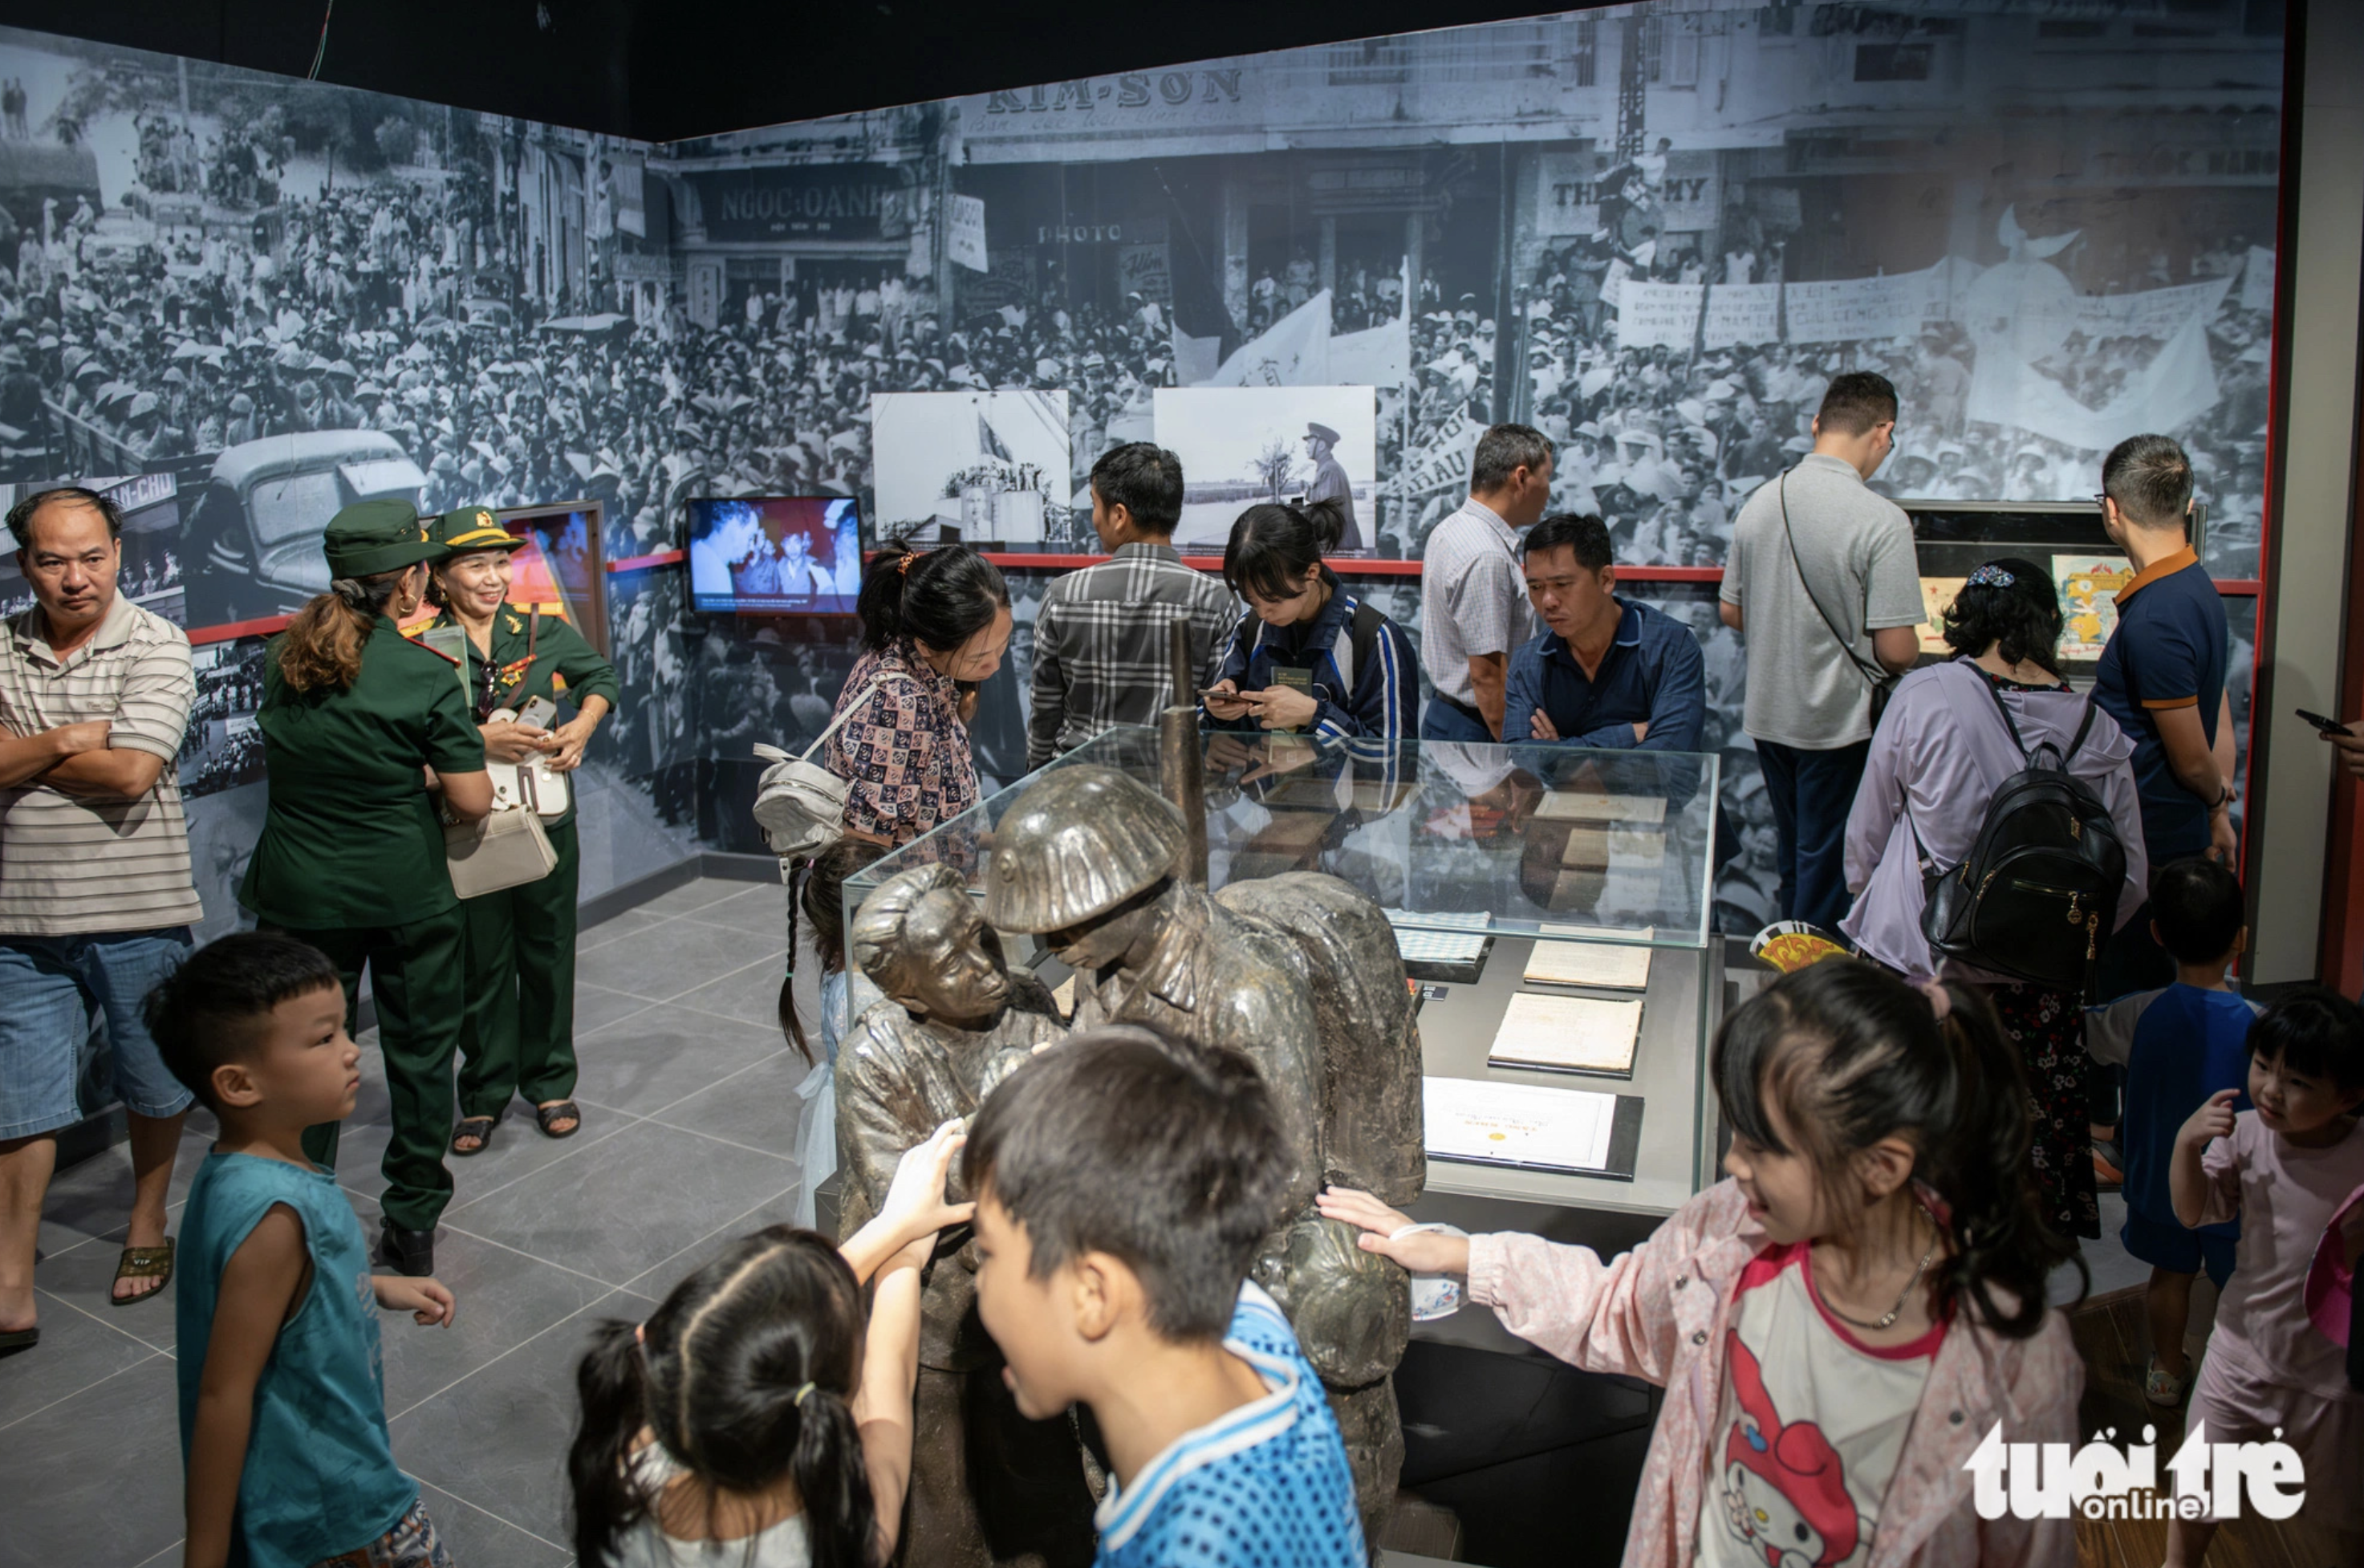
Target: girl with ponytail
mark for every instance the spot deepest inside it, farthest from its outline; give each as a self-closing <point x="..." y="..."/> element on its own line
<point x="1847" y="1316"/>
<point x="1308" y="655"/>
<point x="753" y="1420"/>
<point x="819" y="886"/>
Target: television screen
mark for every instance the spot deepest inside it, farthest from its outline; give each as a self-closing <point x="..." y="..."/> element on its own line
<point x="776" y="555"/>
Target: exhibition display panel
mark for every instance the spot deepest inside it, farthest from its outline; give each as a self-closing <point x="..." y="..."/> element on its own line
<point x="2064" y="538"/>
<point x="1551" y="905"/>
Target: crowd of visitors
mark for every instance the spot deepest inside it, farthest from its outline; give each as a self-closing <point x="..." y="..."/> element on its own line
<point x="1931" y="1099"/>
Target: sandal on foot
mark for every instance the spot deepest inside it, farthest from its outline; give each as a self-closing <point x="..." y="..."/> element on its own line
<point x="142" y="1263"/>
<point x="2162" y="1388"/>
<point x="565" y="1110"/>
<point x="2108" y="1167"/>
<point x="479" y="1127"/>
<point x="15" y="1339"/>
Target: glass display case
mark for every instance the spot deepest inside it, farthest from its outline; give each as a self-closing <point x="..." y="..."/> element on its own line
<point x="2066" y="538"/>
<point x="1494" y="864"/>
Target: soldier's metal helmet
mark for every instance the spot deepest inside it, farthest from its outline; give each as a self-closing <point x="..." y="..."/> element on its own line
<point x="1077" y="845"/>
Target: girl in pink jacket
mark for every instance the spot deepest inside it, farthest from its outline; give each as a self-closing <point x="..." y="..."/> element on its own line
<point x="1840" y="1324"/>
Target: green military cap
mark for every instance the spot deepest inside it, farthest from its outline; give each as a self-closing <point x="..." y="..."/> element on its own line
<point x="469" y="529"/>
<point x="369" y="537"/>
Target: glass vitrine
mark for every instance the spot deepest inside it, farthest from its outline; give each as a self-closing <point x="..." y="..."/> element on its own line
<point x="1500" y="868"/>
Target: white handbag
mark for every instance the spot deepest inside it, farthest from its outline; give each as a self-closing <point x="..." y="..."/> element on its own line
<point x="499" y="851"/>
<point x="799" y="803"/>
<point x="533" y="784"/>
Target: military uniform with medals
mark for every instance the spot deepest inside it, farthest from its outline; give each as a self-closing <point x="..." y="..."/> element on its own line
<point x="519" y="1035"/>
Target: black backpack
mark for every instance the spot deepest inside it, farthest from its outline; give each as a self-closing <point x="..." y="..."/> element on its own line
<point x="2038" y="892"/>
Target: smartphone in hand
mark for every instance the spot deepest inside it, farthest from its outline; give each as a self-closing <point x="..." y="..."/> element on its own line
<point x="2328" y="726"/>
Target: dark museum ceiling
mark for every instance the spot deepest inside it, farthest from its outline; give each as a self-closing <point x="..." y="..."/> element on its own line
<point x="661" y="72"/>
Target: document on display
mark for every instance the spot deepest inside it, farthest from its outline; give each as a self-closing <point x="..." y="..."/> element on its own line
<point x="1592" y="806"/>
<point x="1568" y="1034"/>
<point x="1515" y="1124"/>
<point x="1588" y="955"/>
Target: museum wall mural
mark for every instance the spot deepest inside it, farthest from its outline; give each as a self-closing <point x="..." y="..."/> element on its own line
<point x="1651" y="231"/>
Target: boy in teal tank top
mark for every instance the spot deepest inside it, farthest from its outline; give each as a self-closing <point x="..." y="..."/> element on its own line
<point x="283" y="1416"/>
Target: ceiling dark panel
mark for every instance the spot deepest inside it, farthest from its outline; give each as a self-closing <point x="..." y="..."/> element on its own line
<point x="662" y="70"/>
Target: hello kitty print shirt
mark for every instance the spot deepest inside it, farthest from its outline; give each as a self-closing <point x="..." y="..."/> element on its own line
<point x="1674" y="1310"/>
<point x="1810" y="1426"/>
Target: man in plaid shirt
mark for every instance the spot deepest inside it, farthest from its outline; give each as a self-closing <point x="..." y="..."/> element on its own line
<point x="1101" y="640"/>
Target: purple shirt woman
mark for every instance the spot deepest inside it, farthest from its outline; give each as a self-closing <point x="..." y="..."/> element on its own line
<point x="1939" y="754"/>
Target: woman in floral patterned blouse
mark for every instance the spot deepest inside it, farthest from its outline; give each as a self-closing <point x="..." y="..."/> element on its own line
<point x="933" y="625"/>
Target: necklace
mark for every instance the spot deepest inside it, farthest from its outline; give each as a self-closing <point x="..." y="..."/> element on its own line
<point x="1894" y="1313"/>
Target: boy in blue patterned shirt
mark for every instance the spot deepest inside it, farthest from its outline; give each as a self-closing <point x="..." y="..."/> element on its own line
<point x="1125" y="1181"/>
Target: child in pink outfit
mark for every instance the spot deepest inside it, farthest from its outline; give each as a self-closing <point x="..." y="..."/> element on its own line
<point x="1840" y="1325"/>
<point x="2284" y="1168"/>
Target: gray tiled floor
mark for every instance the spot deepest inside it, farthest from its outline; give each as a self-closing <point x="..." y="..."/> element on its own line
<point x="688" y="1135"/>
<point x="688" y="1139"/>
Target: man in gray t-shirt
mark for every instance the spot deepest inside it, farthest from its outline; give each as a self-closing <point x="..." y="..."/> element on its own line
<point x="1823" y="585"/>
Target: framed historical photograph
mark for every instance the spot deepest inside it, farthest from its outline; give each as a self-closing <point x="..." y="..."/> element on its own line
<point x="983" y="467"/>
<point x="1240" y="445"/>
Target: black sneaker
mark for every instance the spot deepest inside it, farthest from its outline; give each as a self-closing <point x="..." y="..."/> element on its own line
<point x="409" y="1253"/>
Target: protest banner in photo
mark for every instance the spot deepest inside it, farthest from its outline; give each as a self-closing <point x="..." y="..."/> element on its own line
<point x="1649" y="315"/>
<point x="2149" y="312"/>
<point x="1742" y="313"/>
<point x="1443" y="461"/>
<point x="1894" y="306"/>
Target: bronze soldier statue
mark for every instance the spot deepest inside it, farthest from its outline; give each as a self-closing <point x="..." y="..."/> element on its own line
<point x="1302" y="973"/>
<point x="987" y="1485"/>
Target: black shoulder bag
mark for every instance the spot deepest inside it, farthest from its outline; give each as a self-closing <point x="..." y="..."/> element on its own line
<point x="1882" y="683"/>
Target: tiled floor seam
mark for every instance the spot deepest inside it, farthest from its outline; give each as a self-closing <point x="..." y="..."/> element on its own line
<point x="109" y="1323"/>
<point x="481" y="1367"/>
<point x="496" y="1516"/>
<point x="735" y="1073"/>
<point x="675" y="999"/>
<point x="86" y="1388"/>
<point x="127" y="1331"/>
<point x="587" y="1144"/>
<point x="615" y="937"/>
<point x="727" y="1142"/>
<point x="727" y="1227"/>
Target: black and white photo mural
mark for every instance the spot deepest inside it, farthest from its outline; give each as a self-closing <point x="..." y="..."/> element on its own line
<point x="1653" y="231"/>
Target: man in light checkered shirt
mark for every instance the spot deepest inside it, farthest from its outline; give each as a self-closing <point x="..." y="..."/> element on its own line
<point x="1101" y="640"/>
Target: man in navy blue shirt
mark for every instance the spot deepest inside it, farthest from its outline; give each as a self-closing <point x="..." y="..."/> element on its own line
<point x="1607" y="671"/>
<point x="2162" y="678"/>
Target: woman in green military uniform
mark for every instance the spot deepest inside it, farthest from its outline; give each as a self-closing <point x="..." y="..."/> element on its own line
<point x="359" y="725"/>
<point x="519" y="1038"/>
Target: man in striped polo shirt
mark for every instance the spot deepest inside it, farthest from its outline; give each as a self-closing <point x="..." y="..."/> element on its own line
<point x="96" y="897"/>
